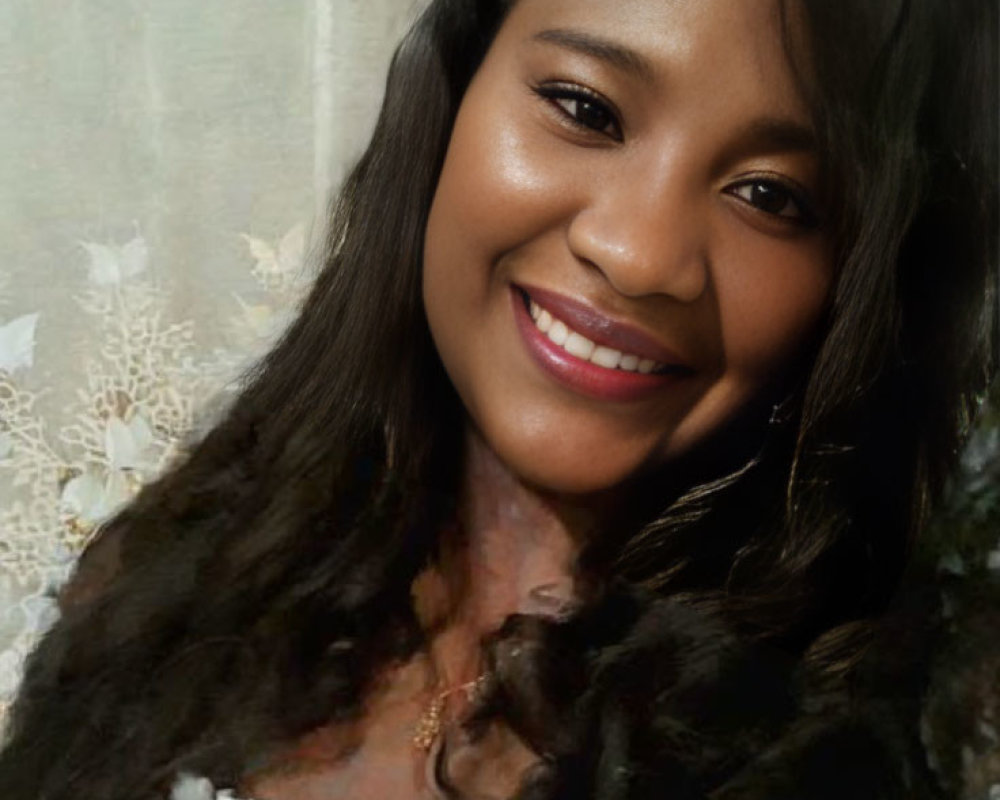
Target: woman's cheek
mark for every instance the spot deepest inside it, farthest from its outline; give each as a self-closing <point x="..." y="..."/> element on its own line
<point x="772" y="293"/>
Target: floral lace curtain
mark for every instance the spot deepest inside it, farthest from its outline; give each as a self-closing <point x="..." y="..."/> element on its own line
<point x="164" y="175"/>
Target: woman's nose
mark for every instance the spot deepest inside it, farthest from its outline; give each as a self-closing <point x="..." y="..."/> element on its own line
<point x="646" y="234"/>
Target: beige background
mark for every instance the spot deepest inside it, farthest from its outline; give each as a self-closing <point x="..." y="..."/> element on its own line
<point x="164" y="169"/>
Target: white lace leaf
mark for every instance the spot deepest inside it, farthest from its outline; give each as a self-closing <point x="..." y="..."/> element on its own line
<point x="128" y="445"/>
<point x="36" y="612"/>
<point x="93" y="499"/>
<point x="103" y="269"/>
<point x="17" y="343"/>
<point x="117" y="492"/>
<point x="291" y="248"/>
<point x="81" y="496"/>
<point x="258" y="318"/>
<point x="134" y="257"/>
<point x="26" y="616"/>
<point x="262" y="252"/>
<point x="6" y="446"/>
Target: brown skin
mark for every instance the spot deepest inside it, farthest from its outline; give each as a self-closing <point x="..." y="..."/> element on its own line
<point x="650" y="219"/>
<point x="645" y="224"/>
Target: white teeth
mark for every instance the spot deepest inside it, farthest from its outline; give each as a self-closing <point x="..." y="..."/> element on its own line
<point x="606" y="357"/>
<point x="558" y="333"/>
<point x="544" y="322"/>
<point x="578" y="345"/>
<point x="629" y="363"/>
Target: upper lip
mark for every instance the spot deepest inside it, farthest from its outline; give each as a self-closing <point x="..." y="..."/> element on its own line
<point x="603" y="329"/>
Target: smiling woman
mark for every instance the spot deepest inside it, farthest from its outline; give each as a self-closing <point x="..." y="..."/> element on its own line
<point x="645" y="340"/>
<point x="642" y="209"/>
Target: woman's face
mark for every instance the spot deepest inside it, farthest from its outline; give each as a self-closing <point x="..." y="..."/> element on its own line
<point x="625" y="246"/>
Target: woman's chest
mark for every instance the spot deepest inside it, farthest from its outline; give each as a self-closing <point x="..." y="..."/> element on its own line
<point x="380" y="757"/>
<point x="336" y="763"/>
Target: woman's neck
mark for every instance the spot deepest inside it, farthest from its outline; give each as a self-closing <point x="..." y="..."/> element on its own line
<point x="512" y="550"/>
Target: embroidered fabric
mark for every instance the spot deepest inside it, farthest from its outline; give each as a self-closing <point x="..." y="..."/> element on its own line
<point x="128" y="294"/>
<point x="124" y="422"/>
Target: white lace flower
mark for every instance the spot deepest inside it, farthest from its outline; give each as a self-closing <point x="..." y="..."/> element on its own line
<point x="40" y="612"/>
<point x="17" y="343"/>
<point x="129" y="445"/>
<point x="111" y="264"/>
<point x="279" y="267"/>
<point x="260" y="323"/>
<point x="92" y="498"/>
<point x="258" y="318"/>
<point x="23" y="618"/>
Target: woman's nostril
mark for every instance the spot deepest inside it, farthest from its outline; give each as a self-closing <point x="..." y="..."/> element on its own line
<point x="642" y="257"/>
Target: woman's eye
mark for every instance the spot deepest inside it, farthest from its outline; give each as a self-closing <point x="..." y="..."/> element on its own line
<point x="583" y="109"/>
<point x="776" y="199"/>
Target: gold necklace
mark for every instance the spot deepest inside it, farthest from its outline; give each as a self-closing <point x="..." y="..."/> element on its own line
<point x="432" y="720"/>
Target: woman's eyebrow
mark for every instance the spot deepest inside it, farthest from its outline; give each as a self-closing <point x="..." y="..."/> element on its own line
<point x="774" y="133"/>
<point x="613" y="53"/>
<point x="778" y="134"/>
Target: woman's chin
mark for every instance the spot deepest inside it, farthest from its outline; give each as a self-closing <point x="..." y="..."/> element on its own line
<point x="556" y="468"/>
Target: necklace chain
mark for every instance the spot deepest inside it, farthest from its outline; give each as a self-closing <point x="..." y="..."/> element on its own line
<point x="429" y="725"/>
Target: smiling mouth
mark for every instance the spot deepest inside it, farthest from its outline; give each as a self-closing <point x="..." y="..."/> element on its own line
<point x="583" y="364"/>
<point x="573" y="342"/>
<point x="576" y="344"/>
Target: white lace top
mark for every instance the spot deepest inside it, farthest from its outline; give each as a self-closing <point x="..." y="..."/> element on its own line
<point x="190" y="787"/>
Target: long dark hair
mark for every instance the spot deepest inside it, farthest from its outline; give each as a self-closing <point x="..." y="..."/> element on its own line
<point x="251" y="593"/>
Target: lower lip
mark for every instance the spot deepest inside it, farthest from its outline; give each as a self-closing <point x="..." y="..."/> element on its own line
<point x="579" y="375"/>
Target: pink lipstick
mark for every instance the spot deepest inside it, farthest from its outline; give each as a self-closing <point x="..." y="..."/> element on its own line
<point x="589" y="352"/>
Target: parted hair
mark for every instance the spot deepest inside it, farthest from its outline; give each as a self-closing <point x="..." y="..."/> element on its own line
<point x="253" y="591"/>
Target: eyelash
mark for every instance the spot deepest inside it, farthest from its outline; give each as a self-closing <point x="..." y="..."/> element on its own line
<point x="558" y="94"/>
<point x="804" y="214"/>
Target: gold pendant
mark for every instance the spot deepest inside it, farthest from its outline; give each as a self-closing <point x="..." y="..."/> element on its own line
<point x="429" y="725"/>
